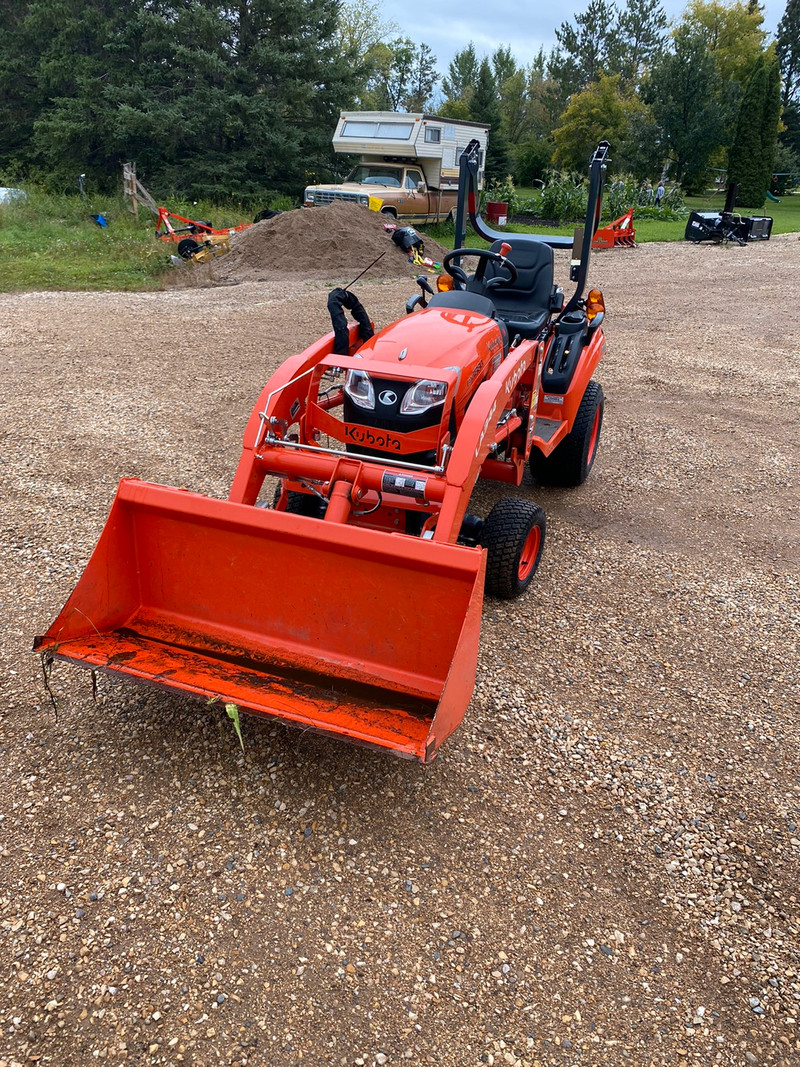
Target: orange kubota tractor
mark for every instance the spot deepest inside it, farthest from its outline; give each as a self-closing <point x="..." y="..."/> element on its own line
<point x="352" y="605"/>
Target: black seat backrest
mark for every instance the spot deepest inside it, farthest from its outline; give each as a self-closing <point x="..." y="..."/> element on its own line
<point x="533" y="288"/>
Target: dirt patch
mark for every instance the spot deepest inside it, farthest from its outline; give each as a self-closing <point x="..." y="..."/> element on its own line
<point x="600" y="869"/>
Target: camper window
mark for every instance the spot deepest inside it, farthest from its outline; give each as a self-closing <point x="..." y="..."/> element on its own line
<point x="392" y="131"/>
<point x="433" y="135"/>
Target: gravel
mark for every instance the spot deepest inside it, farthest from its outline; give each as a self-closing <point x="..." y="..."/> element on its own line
<point x="601" y="867"/>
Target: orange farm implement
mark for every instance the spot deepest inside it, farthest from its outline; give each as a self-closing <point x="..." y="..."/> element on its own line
<point x="345" y="594"/>
<point x="618" y="234"/>
<point x="195" y="240"/>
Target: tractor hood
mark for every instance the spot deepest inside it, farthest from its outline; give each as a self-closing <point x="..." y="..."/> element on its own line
<point x="437" y="338"/>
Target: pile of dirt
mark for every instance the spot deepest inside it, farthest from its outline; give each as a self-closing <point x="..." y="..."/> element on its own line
<point x="341" y="239"/>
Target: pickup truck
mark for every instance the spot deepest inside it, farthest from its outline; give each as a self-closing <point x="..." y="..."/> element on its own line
<point x="408" y="167"/>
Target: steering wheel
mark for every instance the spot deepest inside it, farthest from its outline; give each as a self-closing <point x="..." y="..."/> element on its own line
<point x="483" y="254"/>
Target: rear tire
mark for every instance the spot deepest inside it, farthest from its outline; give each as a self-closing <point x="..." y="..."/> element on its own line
<point x="571" y="461"/>
<point x="513" y="536"/>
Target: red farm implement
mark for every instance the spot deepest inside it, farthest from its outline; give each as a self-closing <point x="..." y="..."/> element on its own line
<point x="193" y="238"/>
<point x="617" y="234"/>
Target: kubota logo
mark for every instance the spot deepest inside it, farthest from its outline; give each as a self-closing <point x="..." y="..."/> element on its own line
<point x="367" y="438"/>
<point x="387" y="397"/>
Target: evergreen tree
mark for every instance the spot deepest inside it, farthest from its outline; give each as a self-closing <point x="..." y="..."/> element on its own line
<point x="752" y="155"/>
<point x="788" y="47"/>
<point x="208" y="99"/>
<point x="462" y="74"/>
<point x="745" y="159"/>
<point x="585" y="47"/>
<point x="422" y="77"/>
<point x="484" y="107"/>
<point x="638" y="40"/>
<point x="683" y="94"/>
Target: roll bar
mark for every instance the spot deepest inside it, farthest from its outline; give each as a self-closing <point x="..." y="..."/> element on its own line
<point x="469" y="165"/>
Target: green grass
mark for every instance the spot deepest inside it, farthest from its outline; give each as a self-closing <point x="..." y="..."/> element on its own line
<point x="50" y="242"/>
<point x="785" y="215"/>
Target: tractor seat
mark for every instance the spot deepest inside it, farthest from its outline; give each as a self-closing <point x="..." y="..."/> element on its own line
<point x="460" y="300"/>
<point x="524" y="306"/>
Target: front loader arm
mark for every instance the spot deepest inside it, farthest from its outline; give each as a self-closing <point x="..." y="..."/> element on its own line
<point x="283" y="398"/>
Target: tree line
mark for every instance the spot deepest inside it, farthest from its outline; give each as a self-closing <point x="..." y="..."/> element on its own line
<point x="218" y="99"/>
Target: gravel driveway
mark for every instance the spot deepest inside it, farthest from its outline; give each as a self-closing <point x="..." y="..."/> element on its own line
<point x="603" y="865"/>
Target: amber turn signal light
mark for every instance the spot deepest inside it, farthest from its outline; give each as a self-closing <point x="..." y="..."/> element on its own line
<point x="594" y="304"/>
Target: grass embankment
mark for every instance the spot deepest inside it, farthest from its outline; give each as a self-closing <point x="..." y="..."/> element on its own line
<point x="51" y="242"/>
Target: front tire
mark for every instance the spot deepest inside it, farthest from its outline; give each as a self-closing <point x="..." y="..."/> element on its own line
<point x="513" y="536"/>
<point x="571" y="461"/>
<point x="308" y="504"/>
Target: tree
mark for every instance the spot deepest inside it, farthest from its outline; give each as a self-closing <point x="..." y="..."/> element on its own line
<point x="484" y="107"/>
<point x="598" y="113"/>
<point x="745" y="160"/>
<point x="360" y="27"/>
<point x="788" y="48"/>
<point x="638" y="40"/>
<point x="402" y="77"/>
<point x="422" y="79"/>
<point x="584" y="48"/>
<point x="209" y="99"/>
<point x="733" y="34"/>
<point x="683" y="94"/>
<point x="459" y="82"/>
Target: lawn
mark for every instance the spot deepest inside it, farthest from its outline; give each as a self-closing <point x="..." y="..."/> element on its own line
<point x="52" y="242"/>
<point x="785" y="215"/>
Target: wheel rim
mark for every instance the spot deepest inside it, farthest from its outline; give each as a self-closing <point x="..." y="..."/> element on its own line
<point x="595" y="434"/>
<point x="530" y="553"/>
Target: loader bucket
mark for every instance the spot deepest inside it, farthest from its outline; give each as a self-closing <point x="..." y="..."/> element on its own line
<point x="368" y="635"/>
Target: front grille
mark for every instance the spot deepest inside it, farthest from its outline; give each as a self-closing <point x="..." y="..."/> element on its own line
<point x="329" y="197"/>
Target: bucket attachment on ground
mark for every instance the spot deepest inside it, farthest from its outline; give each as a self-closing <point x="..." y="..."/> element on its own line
<point x="617" y="234"/>
<point x="343" y="630"/>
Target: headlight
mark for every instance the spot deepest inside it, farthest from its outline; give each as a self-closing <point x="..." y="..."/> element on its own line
<point x="422" y="396"/>
<point x="309" y="196"/>
<point x="359" y="388"/>
<point x="363" y="200"/>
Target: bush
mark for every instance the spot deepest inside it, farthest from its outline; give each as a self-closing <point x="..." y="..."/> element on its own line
<point x="625" y="192"/>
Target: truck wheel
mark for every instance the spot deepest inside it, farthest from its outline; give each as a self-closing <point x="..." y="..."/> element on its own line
<point x="390" y="211"/>
<point x="513" y="536"/>
<point x="187" y="248"/>
<point x="308" y="504"/>
<point x="569" y="464"/>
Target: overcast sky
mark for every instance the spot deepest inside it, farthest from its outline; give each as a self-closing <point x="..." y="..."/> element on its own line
<point x="489" y="24"/>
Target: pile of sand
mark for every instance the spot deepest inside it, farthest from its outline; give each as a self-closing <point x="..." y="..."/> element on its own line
<point x="338" y="240"/>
